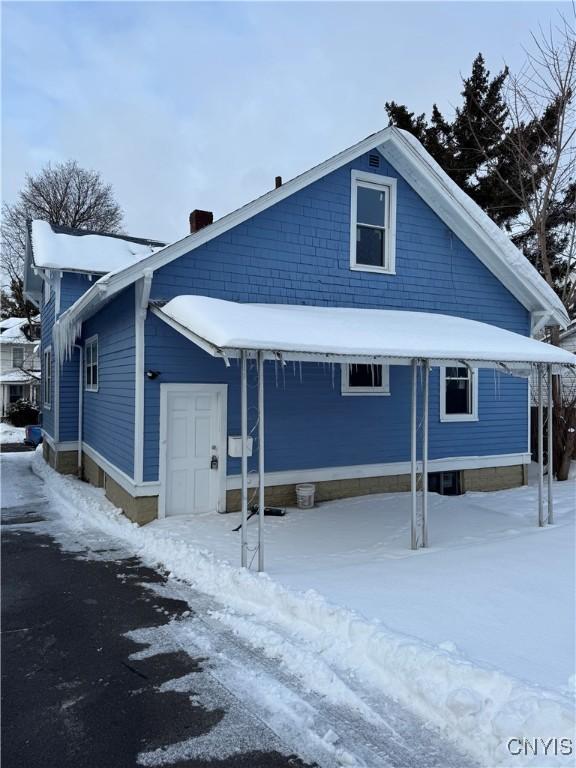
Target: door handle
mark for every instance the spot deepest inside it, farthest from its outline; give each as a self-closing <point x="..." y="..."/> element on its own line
<point x="214" y="462"/>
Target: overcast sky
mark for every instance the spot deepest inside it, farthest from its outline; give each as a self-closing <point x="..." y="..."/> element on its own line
<point x="199" y="105"/>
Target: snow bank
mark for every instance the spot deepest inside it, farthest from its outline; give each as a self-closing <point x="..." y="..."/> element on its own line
<point x="284" y="328"/>
<point x="10" y="434"/>
<point x="478" y="708"/>
<point x="89" y="253"/>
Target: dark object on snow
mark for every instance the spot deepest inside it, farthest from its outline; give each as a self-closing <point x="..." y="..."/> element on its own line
<point x="33" y="435"/>
<point x="270" y="511"/>
<point x="21" y="413"/>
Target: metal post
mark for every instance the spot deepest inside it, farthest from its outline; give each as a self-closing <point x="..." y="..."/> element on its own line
<point x="244" y="432"/>
<point x="260" y="461"/>
<point x="540" y="450"/>
<point x="413" y="430"/>
<point x="550" y="447"/>
<point x="425" y="454"/>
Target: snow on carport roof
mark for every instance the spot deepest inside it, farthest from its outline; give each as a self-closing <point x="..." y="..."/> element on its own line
<point x="305" y="332"/>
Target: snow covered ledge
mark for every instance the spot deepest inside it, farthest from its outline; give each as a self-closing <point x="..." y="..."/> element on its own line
<point x="478" y="707"/>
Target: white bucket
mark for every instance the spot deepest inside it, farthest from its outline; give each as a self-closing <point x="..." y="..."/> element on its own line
<point x="305" y="495"/>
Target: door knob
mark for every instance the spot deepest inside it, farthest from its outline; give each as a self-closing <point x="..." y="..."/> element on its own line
<point x="214" y="462"/>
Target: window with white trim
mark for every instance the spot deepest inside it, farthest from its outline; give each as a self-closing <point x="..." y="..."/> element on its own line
<point x="47" y="378"/>
<point x="17" y="357"/>
<point x="458" y="394"/>
<point x="365" y="379"/>
<point x="91" y="364"/>
<point x="373" y="223"/>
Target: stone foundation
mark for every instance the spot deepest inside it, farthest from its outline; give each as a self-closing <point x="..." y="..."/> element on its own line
<point x="139" y="509"/>
<point x="144" y="509"/>
<point x="494" y="478"/>
<point x="65" y="462"/>
<point x="489" y="479"/>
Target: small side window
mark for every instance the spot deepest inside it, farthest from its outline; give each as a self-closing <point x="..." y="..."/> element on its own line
<point x="365" y="379"/>
<point x="91" y="364"/>
<point x="47" y="378"/>
<point x="458" y="394"/>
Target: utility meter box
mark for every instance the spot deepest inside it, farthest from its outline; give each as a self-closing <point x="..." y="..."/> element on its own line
<point x="235" y="447"/>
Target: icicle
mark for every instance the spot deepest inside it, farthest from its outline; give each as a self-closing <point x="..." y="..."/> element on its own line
<point x="300" y="365"/>
<point x="276" y="371"/>
<point x="333" y="374"/>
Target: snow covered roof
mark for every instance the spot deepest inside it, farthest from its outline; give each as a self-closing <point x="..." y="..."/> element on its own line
<point x="309" y="332"/>
<point x="12" y="331"/>
<point x="84" y="251"/>
<point x="16" y="376"/>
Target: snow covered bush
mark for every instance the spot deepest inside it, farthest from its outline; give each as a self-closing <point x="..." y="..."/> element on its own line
<point x="22" y="413"/>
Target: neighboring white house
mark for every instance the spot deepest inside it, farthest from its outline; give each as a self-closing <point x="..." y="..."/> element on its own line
<point x="19" y="361"/>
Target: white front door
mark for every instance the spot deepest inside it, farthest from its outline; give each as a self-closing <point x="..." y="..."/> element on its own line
<point x="192" y="442"/>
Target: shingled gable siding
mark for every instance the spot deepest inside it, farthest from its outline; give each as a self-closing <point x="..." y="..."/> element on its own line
<point x="109" y="412"/>
<point x="298" y="251"/>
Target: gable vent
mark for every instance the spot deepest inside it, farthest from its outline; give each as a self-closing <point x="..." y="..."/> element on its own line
<point x="374" y="161"/>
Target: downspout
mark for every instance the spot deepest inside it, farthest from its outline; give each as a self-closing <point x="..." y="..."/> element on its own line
<point x="80" y="404"/>
<point x="142" y="298"/>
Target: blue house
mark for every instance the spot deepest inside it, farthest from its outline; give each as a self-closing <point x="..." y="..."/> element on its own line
<point x="372" y="311"/>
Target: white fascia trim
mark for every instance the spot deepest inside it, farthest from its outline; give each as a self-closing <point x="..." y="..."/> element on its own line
<point x="134" y="489"/>
<point x="388" y="138"/>
<point x="433" y="186"/>
<point x="233" y="482"/>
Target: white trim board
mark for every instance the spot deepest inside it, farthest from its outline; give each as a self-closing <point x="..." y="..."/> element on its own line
<point x="468" y="222"/>
<point x="233" y="482"/>
<point x="147" y="488"/>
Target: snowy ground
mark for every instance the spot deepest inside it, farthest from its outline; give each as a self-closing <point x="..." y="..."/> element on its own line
<point x="492" y="584"/>
<point x="475" y="635"/>
<point x="10" y="434"/>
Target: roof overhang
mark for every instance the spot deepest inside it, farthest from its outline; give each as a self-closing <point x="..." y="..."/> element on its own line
<point x="484" y="238"/>
<point x="348" y="335"/>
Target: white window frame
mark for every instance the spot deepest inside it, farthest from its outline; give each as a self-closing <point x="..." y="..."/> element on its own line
<point x="372" y="181"/>
<point x="90" y="344"/>
<point x="473" y="416"/>
<point x="23" y="351"/>
<point x="47" y="378"/>
<point x="347" y="390"/>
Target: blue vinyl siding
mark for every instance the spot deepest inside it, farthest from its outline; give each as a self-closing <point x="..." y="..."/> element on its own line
<point x="47" y="314"/>
<point x="298" y="251"/>
<point x="72" y="286"/>
<point x="309" y="424"/>
<point x="109" y="412"/>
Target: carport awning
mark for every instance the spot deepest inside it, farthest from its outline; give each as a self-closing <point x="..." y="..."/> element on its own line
<point x="339" y="334"/>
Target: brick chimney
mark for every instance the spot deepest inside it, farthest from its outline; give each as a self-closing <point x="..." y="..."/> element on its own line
<point x="200" y="219"/>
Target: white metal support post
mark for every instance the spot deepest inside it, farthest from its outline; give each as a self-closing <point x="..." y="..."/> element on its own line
<point x="413" y="457"/>
<point x="540" y="449"/>
<point x="550" y="446"/>
<point x="244" y="432"/>
<point x="425" y="454"/>
<point x="260" y="461"/>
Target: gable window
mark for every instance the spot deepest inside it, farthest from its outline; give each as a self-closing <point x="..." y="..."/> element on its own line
<point x="458" y="394"/>
<point x="373" y="223"/>
<point x="91" y="364"/>
<point x="47" y="378"/>
<point x="365" y="379"/>
<point x="17" y="357"/>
